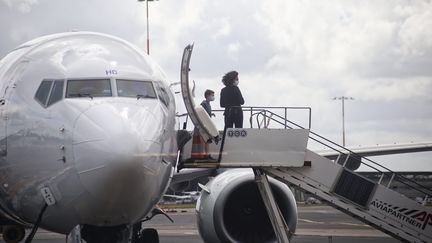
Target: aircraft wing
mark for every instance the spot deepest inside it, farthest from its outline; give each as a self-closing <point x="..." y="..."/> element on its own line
<point x="381" y="150"/>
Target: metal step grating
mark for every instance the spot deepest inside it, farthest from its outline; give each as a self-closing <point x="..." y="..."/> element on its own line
<point x="354" y="188"/>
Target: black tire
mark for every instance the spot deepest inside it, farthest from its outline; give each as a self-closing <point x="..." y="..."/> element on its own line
<point x="149" y="236"/>
<point x="13" y="233"/>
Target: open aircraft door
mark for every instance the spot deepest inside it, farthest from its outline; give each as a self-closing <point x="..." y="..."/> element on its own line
<point x="197" y="114"/>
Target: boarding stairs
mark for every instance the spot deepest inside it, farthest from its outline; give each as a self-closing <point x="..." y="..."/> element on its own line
<point x="274" y="146"/>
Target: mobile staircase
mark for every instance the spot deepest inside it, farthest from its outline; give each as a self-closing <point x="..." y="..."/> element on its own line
<point x="373" y="202"/>
<point x="282" y="153"/>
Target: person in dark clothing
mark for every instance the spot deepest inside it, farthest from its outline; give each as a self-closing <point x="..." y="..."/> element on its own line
<point x="209" y="96"/>
<point x="231" y="99"/>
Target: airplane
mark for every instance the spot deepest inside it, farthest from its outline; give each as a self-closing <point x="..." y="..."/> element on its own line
<point x="180" y="198"/>
<point x="191" y="196"/>
<point x="88" y="147"/>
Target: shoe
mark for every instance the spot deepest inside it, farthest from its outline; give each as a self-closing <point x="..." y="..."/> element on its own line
<point x="208" y="157"/>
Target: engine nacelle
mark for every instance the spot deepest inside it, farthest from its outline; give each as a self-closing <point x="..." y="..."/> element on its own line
<point x="351" y="164"/>
<point x="232" y="209"/>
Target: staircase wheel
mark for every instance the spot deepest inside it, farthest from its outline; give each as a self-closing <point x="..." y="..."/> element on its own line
<point x="149" y="236"/>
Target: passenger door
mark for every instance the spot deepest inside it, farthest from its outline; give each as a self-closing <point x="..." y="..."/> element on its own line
<point x="198" y="115"/>
<point x="9" y="78"/>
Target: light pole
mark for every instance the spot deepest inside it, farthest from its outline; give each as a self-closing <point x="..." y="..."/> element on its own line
<point x="147" y="17"/>
<point x="343" y="98"/>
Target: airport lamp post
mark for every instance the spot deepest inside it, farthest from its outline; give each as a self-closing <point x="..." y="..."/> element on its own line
<point x="343" y="98"/>
<point x="147" y="17"/>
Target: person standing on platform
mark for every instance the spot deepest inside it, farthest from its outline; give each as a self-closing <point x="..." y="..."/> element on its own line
<point x="209" y="97"/>
<point x="231" y="99"/>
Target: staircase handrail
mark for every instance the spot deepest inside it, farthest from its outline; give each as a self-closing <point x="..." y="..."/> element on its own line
<point x="266" y="111"/>
<point x="348" y="152"/>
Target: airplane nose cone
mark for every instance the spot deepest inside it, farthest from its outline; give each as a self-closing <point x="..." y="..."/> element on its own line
<point x="117" y="156"/>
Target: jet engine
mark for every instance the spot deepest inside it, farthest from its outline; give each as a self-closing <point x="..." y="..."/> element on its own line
<point x="231" y="209"/>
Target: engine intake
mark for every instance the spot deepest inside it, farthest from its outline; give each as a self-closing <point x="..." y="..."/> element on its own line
<point x="235" y="212"/>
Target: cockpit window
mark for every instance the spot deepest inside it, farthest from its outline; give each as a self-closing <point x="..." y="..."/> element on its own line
<point x="49" y="92"/>
<point x="56" y="92"/>
<point x="88" y="88"/>
<point x="163" y="94"/>
<point x="43" y="92"/>
<point x="133" y="88"/>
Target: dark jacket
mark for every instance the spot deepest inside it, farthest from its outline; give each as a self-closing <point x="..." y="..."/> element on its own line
<point x="207" y="107"/>
<point x="230" y="96"/>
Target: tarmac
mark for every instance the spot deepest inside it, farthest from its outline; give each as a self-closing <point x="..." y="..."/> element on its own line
<point x="316" y="224"/>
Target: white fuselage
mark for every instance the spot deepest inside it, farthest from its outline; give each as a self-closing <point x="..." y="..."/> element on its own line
<point x="106" y="159"/>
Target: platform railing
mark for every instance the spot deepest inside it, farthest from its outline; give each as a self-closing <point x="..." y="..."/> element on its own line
<point x="348" y="154"/>
<point x="259" y="115"/>
<point x="255" y="111"/>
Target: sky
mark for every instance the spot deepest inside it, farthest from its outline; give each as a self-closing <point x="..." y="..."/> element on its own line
<point x="288" y="53"/>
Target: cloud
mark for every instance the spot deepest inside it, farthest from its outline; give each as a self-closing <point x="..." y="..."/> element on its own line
<point x="341" y="38"/>
<point x="224" y="30"/>
<point x="381" y="54"/>
<point x="391" y="89"/>
<point x="233" y="49"/>
<point x="173" y="25"/>
<point x="414" y="35"/>
<point x="23" y="6"/>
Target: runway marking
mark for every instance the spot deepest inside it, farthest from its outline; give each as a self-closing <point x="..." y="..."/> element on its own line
<point x="311" y="221"/>
<point x="341" y="232"/>
<point x="334" y="223"/>
<point x="350" y="224"/>
<point x="177" y="232"/>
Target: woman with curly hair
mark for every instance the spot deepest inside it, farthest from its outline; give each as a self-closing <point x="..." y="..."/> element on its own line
<point x="231" y="99"/>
